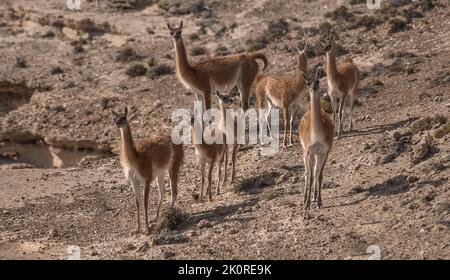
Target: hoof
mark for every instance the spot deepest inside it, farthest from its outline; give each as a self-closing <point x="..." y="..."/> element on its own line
<point x="319" y="205"/>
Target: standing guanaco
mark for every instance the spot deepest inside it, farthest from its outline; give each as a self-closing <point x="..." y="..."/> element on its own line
<point x="235" y="146"/>
<point x="210" y="154"/>
<point x="150" y="159"/>
<point x="343" y="81"/>
<point x="207" y="76"/>
<point x="285" y="92"/>
<point x="316" y="133"/>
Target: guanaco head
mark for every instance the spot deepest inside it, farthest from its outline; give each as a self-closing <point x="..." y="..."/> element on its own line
<point x="313" y="84"/>
<point x="120" y="119"/>
<point x="175" y="32"/>
<point x="301" y="57"/>
<point x="328" y="44"/>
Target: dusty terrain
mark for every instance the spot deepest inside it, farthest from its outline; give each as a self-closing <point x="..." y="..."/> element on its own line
<point x="386" y="183"/>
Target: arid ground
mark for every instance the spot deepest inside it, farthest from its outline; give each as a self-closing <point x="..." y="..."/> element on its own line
<point x="386" y="183"/>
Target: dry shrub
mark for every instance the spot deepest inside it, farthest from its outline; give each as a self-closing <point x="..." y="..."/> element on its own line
<point x="136" y="70"/>
<point x="170" y="219"/>
<point x="442" y="131"/>
<point x="340" y="12"/>
<point x="427" y="123"/>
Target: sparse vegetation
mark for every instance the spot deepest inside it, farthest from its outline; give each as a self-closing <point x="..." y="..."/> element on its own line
<point x="427" y="123"/>
<point x="160" y="70"/>
<point x="198" y="51"/>
<point x="258" y="43"/>
<point x="127" y="54"/>
<point x="397" y="24"/>
<point x="340" y="13"/>
<point x="367" y="21"/>
<point x="136" y="70"/>
<point x="275" y="30"/>
<point x="442" y="131"/>
<point x="171" y="218"/>
<point x="56" y="70"/>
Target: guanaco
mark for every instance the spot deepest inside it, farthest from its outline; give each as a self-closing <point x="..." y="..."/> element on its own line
<point x="316" y="133"/>
<point x="211" y="154"/>
<point x="150" y="159"/>
<point x="235" y="146"/>
<point x="207" y="76"/>
<point x="285" y="92"/>
<point x="343" y="81"/>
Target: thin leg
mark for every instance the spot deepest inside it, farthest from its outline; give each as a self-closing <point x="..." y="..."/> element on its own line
<point x="233" y="161"/>
<point x="321" y="166"/>
<point x="333" y="106"/>
<point x="351" y="101"/>
<point x="268" y="113"/>
<point x="173" y="175"/>
<point x="224" y="181"/>
<point x="285" y="118"/>
<point x="202" y="171"/>
<point x="310" y="181"/>
<point x="208" y="190"/>
<point x="146" y="193"/>
<point x="219" y="175"/>
<point x="314" y="171"/>
<point x="341" y="107"/>
<point x="138" y="197"/>
<point x="291" y="122"/>
<point x="162" y="191"/>
<point x="308" y="177"/>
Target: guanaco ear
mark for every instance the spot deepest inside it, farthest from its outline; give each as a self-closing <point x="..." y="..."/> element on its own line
<point x="305" y="78"/>
<point x="114" y="113"/>
<point x="125" y="110"/>
<point x="319" y="72"/>
<point x="170" y="27"/>
<point x="181" y="25"/>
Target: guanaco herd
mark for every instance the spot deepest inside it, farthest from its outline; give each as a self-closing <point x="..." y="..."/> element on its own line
<point x="157" y="155"/>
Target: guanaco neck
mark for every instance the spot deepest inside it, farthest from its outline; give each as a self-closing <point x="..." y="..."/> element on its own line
<point x="128" y="152"/>
<point x="331" y="63"/>
<point x="315" y="110"/>
<point x="301" y="67"/>
<point x="181" y="59"/>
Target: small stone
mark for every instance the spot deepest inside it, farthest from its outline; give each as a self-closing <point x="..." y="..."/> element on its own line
<point x="130" y="246"/>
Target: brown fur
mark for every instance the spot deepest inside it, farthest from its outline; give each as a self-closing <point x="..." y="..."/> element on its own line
<point x="141" y="162"/>
<point x="343" y="81"/>
<point x="316" y="133"/>
<point x="235" y="146"/>
<point x="210" y="154"/>
<point x="206" y="76"/>
<point x="285" y="92"/>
